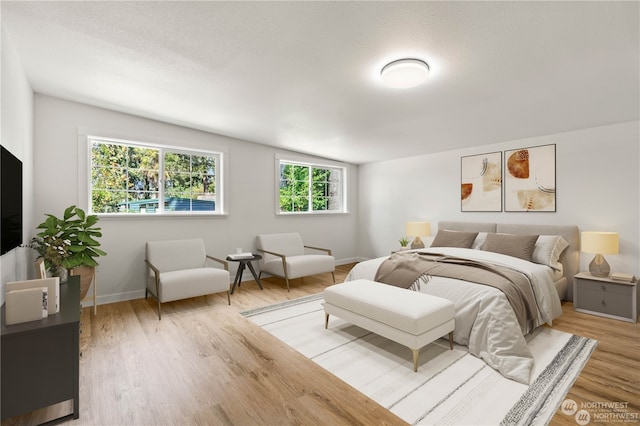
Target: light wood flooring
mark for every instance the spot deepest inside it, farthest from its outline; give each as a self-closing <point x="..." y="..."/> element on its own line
<point x="204" y="364"/>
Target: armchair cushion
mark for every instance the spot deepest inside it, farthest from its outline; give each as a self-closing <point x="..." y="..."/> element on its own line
<point x="175" y="255"/>
<point x="176" y="285"/>
<point x="289" y="244"/>
<point x="301" y="266"/>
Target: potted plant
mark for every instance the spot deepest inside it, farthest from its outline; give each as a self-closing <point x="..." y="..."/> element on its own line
<point x="70" y="242"/>
<point x="403" y="242"/>
<point x="52" y="250"/>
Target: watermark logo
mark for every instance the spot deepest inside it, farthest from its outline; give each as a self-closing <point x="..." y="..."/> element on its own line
<point x="599" y="412"/>
<point x="583" y="417"/>
<point x="569" y="407"/>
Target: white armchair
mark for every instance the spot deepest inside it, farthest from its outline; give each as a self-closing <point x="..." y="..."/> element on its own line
<point x="284" y="255"/>
<point x="177" y="269"/>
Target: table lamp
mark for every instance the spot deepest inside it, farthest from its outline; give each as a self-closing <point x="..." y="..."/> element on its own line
<point x="599" y="243"/>
<point x="417" y="230"/>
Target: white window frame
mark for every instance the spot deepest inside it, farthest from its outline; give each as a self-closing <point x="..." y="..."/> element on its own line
<point x="310" y="162"/>
<point x="85" y="139"/>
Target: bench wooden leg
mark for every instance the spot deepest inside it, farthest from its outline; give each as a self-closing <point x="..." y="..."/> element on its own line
<point x="451" y="340"/>
<point x="326" y="320"/>
<point x="416" y="355"/>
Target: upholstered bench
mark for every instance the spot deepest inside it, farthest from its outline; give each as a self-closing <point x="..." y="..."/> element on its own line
<point x="407" y="317"/>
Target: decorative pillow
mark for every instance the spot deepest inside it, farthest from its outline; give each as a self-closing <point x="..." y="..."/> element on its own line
<point x="548" y="250"/>
<point x="478" y="243"/>
<point x="454" y="239"/>
<point x="520" y="246"/>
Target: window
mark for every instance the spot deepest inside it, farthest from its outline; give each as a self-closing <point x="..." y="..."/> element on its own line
<point x="310" y="188"/>
<point x="129" y="177"/>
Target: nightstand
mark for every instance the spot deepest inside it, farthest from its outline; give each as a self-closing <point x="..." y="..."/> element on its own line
<point x="605" y="297"/>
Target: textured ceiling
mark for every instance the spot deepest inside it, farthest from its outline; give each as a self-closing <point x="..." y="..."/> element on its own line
<point x="305" y="75"/>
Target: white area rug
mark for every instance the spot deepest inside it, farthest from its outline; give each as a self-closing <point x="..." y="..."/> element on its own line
<point x="450" y="387"/>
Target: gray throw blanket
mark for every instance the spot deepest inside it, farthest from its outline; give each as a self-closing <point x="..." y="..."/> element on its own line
<point x="403" y="269"/>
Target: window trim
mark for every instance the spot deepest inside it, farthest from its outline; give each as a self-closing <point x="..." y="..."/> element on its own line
<point x="310" y="162"/>
<point x="85" y="137"/>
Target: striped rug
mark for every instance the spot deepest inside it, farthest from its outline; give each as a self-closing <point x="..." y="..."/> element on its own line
<point x="451" y="386"/>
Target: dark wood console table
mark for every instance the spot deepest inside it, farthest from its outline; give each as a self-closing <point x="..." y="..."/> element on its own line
<point x="40" y="362"/>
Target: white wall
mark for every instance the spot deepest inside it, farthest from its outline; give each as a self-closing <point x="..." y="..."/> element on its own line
<point x="251" y="201"/>
<point x="598" y="184"/>
<point x="16" y="124"/>
<point x="597" y="180"/>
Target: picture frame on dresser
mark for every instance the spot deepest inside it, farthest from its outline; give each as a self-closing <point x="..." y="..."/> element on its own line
<point x="606" y="297"/>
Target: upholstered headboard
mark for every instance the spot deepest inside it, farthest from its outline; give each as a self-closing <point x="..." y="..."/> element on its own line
<point x="569" y="258"/>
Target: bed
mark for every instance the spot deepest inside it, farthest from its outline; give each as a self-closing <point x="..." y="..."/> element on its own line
<point x="485" y="319"/>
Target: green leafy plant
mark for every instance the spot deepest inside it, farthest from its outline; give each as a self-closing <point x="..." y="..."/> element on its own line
<point x="403" y="242"/>
<point x="52" y="250"/>
<point x="69" y="242"/>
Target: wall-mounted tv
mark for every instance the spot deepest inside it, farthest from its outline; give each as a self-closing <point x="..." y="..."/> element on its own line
<point x="10" y="200"/>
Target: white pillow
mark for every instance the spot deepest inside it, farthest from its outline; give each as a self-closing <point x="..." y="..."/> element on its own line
<point x="478" y="243"/>
<point x="548" y="250"/>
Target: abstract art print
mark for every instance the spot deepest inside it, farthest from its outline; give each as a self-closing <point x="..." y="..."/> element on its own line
<point x="481" y="182"/>
<point x="530" y="179"/>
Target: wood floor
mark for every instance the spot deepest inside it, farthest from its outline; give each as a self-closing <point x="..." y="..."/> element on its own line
<point x="204" y="364"/>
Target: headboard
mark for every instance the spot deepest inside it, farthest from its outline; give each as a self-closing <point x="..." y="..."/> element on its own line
<point x="570" y="257"/>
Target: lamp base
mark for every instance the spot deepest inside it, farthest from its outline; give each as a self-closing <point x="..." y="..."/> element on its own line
<point x="599" y="267"/>
<point x="417" y="243"/>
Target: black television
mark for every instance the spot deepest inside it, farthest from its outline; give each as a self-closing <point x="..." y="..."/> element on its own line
<point x="10" y="200"/>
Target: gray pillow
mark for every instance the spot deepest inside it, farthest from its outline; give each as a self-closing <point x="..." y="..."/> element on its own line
<point x="520" y="246"/>
<point x="454" y="239"/>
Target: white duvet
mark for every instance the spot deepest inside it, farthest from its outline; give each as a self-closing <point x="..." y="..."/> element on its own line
<point x="485" y="321"/>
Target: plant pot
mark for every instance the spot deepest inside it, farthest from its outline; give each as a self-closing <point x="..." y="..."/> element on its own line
<point x="63" y="273"/>
<point x="86" y="277"/>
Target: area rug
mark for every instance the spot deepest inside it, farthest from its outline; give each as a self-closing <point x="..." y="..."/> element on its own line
<point x="451" y="386"/>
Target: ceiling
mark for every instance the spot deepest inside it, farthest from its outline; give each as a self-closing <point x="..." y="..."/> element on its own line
<point x="305" y="75"/>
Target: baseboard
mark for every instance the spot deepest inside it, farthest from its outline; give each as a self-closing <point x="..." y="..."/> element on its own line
<point x="113" y="298"/>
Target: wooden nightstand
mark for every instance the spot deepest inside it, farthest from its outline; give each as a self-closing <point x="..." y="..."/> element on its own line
<point x="605" y="297"/>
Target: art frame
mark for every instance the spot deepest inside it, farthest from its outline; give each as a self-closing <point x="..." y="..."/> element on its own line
<point x="530" y="179"/>
<point x="481" y="182"/>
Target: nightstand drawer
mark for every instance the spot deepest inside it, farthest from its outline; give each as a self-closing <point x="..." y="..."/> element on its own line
<point x="605" y="297"/>
<point x="619" y="304"/>
<point x="598" y="286"/>
<point x="590" y="299"/>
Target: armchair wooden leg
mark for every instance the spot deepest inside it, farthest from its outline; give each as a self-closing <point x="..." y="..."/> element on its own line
<point x="159" y="313"/>
<point x="334" y="276"/>
<point x="286" y="276"/>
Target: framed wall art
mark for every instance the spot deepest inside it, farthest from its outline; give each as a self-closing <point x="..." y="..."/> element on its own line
<point x="481" y="182"/>
<point x="530" y="179"/>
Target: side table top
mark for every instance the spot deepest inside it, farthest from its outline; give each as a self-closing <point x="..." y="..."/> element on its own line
<point x="244" y="258"/>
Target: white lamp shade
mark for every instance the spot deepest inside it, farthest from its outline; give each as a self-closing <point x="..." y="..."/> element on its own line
<point x="599" y="242"/>
<point x="417" y="229"/>
<point x="404" y="73"/>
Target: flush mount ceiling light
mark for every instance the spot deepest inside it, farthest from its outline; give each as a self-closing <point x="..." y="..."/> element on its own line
<point x="404" y="73"/>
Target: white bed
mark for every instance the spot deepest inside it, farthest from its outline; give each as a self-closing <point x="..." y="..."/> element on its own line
<point x="485" y="321"/>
